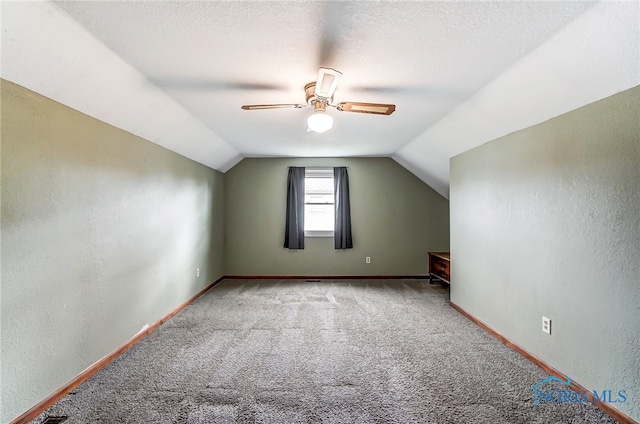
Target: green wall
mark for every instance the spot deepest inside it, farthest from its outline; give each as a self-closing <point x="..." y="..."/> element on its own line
<point x="102" y="233"/>
<point x="546" y="222"/>
<point x="396" y="220"/>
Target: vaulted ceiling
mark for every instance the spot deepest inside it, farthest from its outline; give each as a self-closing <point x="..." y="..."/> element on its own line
<point x="460" y="73"/>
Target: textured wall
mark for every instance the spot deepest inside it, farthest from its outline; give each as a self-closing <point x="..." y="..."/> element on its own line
<point x="546" y="221"/>
<point x="102" y="233"/>
<point x="396" y="220"/>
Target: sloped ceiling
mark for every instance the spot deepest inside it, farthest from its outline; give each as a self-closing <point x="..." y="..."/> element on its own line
<point x="460" y="73"/>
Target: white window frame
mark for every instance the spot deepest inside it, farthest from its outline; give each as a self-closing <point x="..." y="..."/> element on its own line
<point x="317" y="173"/>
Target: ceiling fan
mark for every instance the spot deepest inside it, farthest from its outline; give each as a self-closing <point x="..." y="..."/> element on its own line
<point x="319" y="94"/>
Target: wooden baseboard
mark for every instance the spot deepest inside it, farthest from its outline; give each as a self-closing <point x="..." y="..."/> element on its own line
<point x="36" y="410"/>
<point x="609" y="409"/>
<point x="324" y="277"/>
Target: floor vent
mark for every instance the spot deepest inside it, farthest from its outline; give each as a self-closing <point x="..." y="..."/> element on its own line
<point x="311" y="281"/>
<point x="54" y="420"/>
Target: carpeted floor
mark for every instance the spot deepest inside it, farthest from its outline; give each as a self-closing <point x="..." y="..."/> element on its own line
<point x="349" y="351"/>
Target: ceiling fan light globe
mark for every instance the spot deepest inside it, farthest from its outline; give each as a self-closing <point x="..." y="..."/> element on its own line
<point x="320" y="122"/>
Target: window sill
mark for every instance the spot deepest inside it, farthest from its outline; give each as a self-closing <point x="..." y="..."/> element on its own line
<point x="308" y="233"/>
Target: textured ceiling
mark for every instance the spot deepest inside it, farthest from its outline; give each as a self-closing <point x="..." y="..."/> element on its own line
<point x="460" y="73"/>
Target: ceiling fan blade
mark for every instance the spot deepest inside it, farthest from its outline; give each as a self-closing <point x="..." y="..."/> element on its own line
<point x="337" y="22"/>
<point x="441" y="92"/>
<point x="276" y="106"/>
<point x="374" y="108"/>
<point x="198" y="84"/>
<point x="327" y="82"/>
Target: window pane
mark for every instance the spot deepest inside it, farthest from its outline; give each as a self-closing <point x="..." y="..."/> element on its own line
<point x="319" y="201"/>
<point x="318" y="185"/>
<point x="319" y="198"/>
<point x="318" y="217"/>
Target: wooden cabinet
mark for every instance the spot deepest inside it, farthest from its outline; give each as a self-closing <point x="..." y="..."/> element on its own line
<point x="440" y="266"/>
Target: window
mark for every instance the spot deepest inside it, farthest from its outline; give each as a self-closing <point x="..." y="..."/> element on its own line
<point x="319" y="202"/>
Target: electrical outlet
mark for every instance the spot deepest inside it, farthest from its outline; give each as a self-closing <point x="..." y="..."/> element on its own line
<point x="197" y="272"/>
<point x="368" y="259"/>
<point x="546" y="325"/>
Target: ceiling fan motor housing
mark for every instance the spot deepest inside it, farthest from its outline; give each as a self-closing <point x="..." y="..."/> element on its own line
<point x="310" y="95"/>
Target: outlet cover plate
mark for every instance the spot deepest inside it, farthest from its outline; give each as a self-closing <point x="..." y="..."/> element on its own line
<point x="546" y="325"/>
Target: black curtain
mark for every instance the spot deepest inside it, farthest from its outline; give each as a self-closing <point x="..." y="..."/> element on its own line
<point x="294" y="226"/>
<point x="342" y="233"/>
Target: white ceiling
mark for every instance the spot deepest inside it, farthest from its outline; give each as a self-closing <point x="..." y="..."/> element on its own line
<point x="460" y="73"/>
